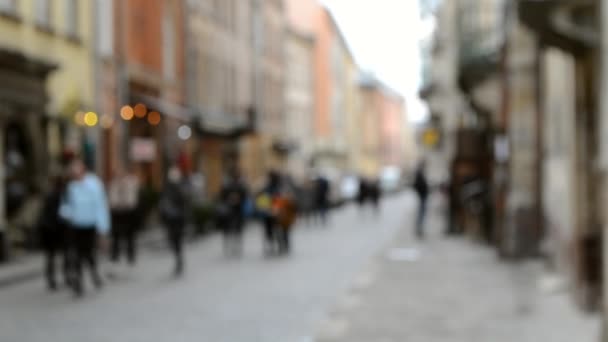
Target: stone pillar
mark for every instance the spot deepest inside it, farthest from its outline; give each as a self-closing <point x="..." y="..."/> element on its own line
<point x="522" y="230"/>
<point x="3" y="240"/>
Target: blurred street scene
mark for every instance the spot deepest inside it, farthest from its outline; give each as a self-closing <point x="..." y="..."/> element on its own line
<point x="302" y="170"/>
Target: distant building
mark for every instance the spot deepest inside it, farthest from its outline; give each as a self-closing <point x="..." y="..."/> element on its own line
<point x="382" y="123"/>
<point x="300" y="44"/>
<point x="220" y="78"/>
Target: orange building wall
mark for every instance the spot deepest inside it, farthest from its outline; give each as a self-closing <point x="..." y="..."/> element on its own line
<point x="323" y="82"/>
<point x="301" y="14"/>
<point x="143" y="26"/>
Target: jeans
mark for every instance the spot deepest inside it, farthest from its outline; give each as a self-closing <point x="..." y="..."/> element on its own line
<point x="421" y="216"/>
<point x="175" y="238"/>
<point x="83" y="251"/>
<point x="124" y="230"/>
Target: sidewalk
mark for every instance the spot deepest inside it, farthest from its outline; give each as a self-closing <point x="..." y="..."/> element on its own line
<point x="453" y="290"/>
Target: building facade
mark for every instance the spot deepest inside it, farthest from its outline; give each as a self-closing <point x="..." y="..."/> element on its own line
<point x="299" y="85"/>
<point x="149" y="48"/>
<point x="46" y="66"/>
<point x="220" y="82"/>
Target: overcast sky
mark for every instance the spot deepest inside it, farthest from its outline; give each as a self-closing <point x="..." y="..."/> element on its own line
<point x="384" y="36"/>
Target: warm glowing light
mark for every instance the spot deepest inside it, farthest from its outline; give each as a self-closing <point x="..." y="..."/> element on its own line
<point x="106" y="121"/>
<point x="154" y="118"/>
<point x="126" y="113"/>
<point x="184" y="132"/>
<point x="90" y="119"/>
<point x="79" y="118"/>
<point x="140" y="110"/>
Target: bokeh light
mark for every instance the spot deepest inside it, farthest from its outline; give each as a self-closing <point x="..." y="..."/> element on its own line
<point x="184" y="132"/>
<point x="106" y="121"/>
<point x="140" y="110"/>
<point x="154" y="118"/>
<point x="79" y="118"/>
<point x="126" y="113"/>
<point x="90" y="119"/>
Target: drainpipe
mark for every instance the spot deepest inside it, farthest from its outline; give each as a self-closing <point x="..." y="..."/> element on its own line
<point x="603" y="147"/>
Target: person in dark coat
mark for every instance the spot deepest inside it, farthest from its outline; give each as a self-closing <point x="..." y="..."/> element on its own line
<point x="174" y="208"/>
<point x="53" y="233"/>
<point x="264" y="201"/>
<point x="421" y="187"/>
<point x="233" y="198"/>
<point x="375" y="195"/>
<point x="322" y="200"/>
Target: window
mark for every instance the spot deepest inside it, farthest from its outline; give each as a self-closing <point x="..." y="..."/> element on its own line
<point x="8" y="6"/>
<point x="71" y="14"/>
<point x="169" y="46"/>
<point x="42" y="11"/>
<point x="105" y="27"/>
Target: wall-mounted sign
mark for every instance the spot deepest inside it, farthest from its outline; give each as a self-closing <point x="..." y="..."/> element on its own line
<point x="142" y="150"/>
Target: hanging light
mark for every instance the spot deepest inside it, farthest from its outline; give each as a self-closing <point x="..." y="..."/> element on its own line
<point x="126" y="113"/>
<point x="90" y="119"/>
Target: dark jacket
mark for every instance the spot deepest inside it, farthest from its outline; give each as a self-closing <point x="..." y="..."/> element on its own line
<point x="421" y="185"/>
<point x="233" y="196"/>
<point x="174" y="203"/>
<point x="51" y="226"/>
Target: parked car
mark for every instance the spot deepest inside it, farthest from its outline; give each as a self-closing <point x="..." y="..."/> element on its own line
<point x="390" y="179"/>
<point x="349" y="188"/>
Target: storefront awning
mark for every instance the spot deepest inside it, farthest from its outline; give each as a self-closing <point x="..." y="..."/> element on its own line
<point x="165" y="107"/>
<point x="23" y="81"/>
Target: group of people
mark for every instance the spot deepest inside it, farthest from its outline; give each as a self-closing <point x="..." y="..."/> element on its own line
<point x="80" y="216"/>
<point x="274" y="205"/>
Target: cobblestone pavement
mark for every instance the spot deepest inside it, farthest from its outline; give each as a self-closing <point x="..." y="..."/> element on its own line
<point x="453" y="290"/>
<point x="219" y="299"/>
<point x="361" y="279"/>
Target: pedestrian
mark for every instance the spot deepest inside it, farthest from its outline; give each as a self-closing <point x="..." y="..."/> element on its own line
<point x="421" y="187"/>
<point x="375" y="195"/>
<point x="173" y="207"/>
<point x="322" y="202"/>
<point x="285" y="211"/>
<point x="124" y="193"/>
<point x="233" y="200"/>
<point x="85" y="208"/>
<point x="363" y="193"/>
<point x="53" y="232"/>
<point x="264" y="207"/>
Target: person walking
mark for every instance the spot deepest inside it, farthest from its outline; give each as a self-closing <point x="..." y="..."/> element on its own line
<point x="53" y="232"/>
<point x="285" y="211"/>
<point x="173" y="208"/>
<point x="322" y="202"/>
<point x="232" y="200"/>
<point x="126" y="221"/>
<point x="85" y="208"/>
<point x="375" y="195"/>
<point x="421" y="187"/>
<point x="264" y="207"/>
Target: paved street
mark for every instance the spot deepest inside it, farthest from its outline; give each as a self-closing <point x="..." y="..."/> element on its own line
<point x="252" y="299"/>
<point x="454" y="290"/>
<point x="362" y="279"/>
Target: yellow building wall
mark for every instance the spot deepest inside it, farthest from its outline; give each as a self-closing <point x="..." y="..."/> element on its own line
<point x="73" y="80"/>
